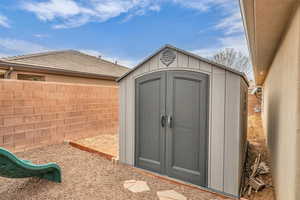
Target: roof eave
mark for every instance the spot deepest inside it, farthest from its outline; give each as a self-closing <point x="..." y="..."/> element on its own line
<point x="250" y="49"/>
<point x="48" y="70"/>
<point x="263" y="37"/>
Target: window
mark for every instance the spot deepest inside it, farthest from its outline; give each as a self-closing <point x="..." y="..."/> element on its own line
<point x="31" y="77"/>
<point x="2" y="73"/>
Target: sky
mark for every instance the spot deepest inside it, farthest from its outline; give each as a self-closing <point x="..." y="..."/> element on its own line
<point x="122" y="30"/>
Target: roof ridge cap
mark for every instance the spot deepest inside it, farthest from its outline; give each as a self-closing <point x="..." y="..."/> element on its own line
<point x="101" y="59"/>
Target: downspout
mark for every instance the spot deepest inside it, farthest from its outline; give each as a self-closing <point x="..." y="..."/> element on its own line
<point x="8" y="73"/>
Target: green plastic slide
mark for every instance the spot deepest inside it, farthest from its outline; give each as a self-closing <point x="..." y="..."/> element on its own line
<point x="13" y="167"/>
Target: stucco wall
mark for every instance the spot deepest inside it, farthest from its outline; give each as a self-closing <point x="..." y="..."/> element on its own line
<point x="67" y="79"/>
<point x="34" y="114"/>
<point x="280" y="110"/>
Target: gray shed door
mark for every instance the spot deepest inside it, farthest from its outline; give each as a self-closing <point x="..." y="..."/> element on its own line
<point x="171" y="124"/>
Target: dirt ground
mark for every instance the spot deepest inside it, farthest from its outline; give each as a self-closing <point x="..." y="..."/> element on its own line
<point x="87" y="176"/>
<point x="257" y="140"/>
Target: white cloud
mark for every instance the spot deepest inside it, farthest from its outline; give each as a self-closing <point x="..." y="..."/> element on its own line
<point x="195" y="4"/>
<point x="20" y="46"/>
<point x="73" y="22"/>
<point x="155" y="7"/>
<point x="54" y="8"/>
<point x="3" y="55"/>
<point x="12" y="47"/>
<point x="231" y="24"/>
<point x="206" y="52"/>
<point x="4" y="22"/>
<point x="41" y="35"/>
<point x="230" y="27"/>
<point x="122" y="61"/>
<point x="108" y="9"/>
<point x="236" y="42"/>
<point x="73" y="13"/>
<point x="203" y="5"/>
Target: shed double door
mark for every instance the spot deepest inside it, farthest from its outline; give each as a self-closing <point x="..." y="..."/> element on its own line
<point x="171" y="124"/>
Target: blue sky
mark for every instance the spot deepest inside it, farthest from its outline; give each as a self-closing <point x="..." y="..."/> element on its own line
<point x="123" y="30"/>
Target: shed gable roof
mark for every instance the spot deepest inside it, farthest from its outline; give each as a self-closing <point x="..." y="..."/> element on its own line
<point x="167" y="46"/>
<point x="70" y="60"/>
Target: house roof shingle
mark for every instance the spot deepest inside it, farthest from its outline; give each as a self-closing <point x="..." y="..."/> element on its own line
<point x="70" y="60"/>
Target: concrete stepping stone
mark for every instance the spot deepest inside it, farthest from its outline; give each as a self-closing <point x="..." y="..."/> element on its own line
<point x="136" y="186"/>
<point x="170" y="195"/>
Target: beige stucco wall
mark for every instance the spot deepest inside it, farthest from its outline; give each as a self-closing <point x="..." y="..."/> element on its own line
<point x="280" y="112"/>
<point x="67" y="79"/>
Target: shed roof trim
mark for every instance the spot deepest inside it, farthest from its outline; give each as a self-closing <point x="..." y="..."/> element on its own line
<point x="168" y="46"/>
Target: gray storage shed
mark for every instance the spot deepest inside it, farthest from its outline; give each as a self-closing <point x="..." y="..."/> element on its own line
<point x="185" y="117"/>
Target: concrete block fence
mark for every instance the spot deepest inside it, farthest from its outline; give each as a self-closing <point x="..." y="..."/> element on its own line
<point x="253" y="102"/>
<point x="33" y="114"/>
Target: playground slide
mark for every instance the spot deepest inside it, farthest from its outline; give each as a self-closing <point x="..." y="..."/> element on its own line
<point x="13" y="167"/>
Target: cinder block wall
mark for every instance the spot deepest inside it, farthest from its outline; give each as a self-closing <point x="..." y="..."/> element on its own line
<point x="33" y="114"/>
<point x="253" y="102"/>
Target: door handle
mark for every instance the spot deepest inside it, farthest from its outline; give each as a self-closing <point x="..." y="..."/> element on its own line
<point x="170" y="121"/>
<point x="162" y="120"/>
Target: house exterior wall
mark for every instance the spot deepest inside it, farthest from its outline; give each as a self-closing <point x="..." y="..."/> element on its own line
<point x="281" y="113"/>
<point x="66" y="79"/>
<point x="225" y="151"/>
<point x="33" y="114"/>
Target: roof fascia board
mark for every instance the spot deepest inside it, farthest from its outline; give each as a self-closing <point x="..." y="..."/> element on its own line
<point x="40" y="69"/>
<point x="245" y="25"/>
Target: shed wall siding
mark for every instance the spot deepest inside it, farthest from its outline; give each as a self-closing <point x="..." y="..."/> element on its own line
<point x="217" y="129"/>
<point x="217" y="164"/>
<point x="232" y="134"/>
<point x="130" y="115"/>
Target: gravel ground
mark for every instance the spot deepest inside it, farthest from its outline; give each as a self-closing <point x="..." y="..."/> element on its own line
<point x="86" y="176"/>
